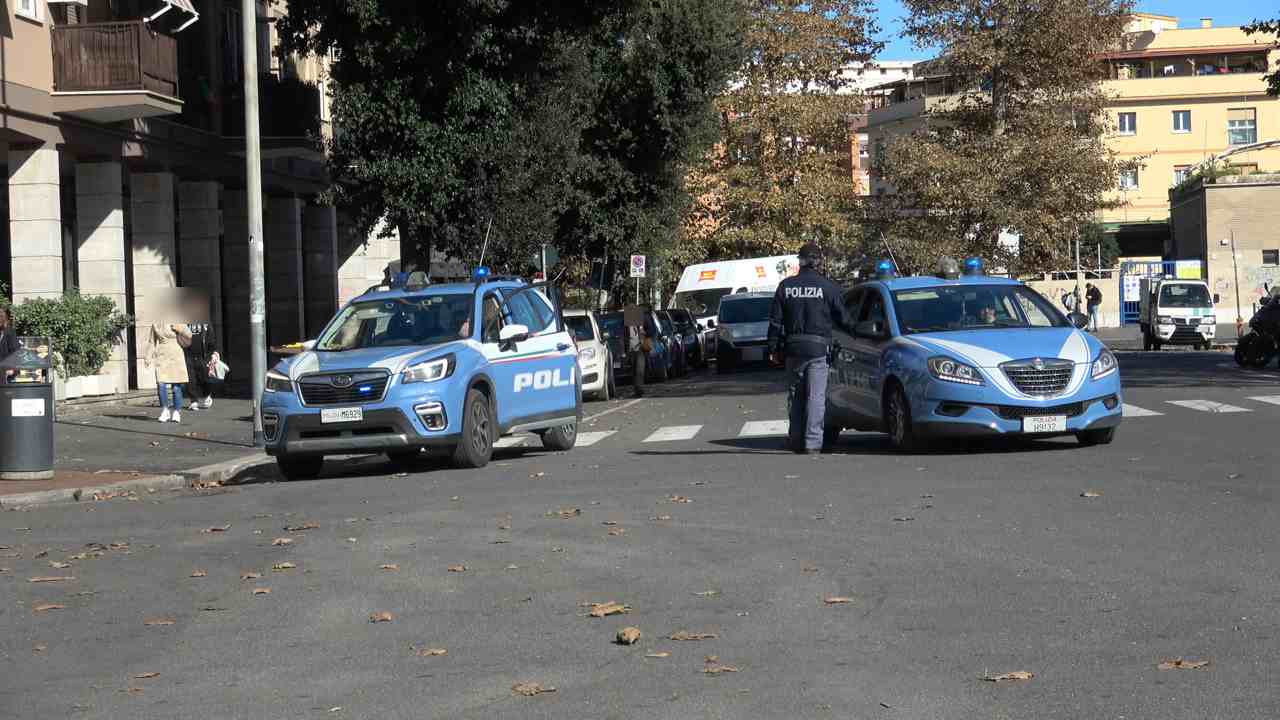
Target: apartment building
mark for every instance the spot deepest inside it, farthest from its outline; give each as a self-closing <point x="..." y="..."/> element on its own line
<point x="122" y="143"/>
<point x="867" y="80"/>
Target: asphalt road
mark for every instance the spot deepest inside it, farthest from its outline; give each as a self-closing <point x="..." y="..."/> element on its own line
<point x="958" y="563"/>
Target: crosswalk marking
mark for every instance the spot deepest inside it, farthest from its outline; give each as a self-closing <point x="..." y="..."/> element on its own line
<point x="511" y="441"/>
<point x="587" y="439"/>
<point x="1135" y="411"/>
<point x="673" y="433"/>
<point x="764" y="428"/>
<point x="1271" y="399"/>
<point x="1208" y="406"/>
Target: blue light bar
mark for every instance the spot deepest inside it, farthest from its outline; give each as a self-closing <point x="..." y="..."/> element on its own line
<point x="481" y="274"/>
<point x="973" y="266"/>
<point x="885" y="270"/>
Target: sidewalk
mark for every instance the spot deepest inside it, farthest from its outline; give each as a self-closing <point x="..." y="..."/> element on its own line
<point x="101" y="445"/>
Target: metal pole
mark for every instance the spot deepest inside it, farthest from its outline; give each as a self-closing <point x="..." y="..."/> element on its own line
<point x="1235" y="268"/>
<point x="544" y="262"/>
<point x="637" y="291"/>
<point x="253" y="190"/>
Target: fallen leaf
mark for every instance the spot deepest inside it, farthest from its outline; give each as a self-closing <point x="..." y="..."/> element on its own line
<point x="308" y="525"/>
<point x="712" y="658"/>
<point x="146" y="676"/>
<point x="707" y="593"/>
<point x="250" y="575"/>
<point x="605" y="609"/>
<point x="1180" y="664"/>
<point x="262" y="591"/>
<point x="679" y="499"/>
<point x="281" y="541"/>
<point x="1091" y="494"/>
<point x="457" y="568"/>
<point x="615" y="532"/>
<point x="716" y="669"/>
<point x="157" y="621"/>
<point x="809" y="568"/>
<point x="837" y="600"/>
<point x="335" y="708"/>
<point x="659" y="654"/>
<point x="199" y="574"/>
<point x="529" y="689"/>
<point x="45" y="607"/>
<point x="513" y="567"/>
<point x="389" y="566"/>
<point x="686" y="635"/>
<point x="501" y="541"/>
<point x="565" y="513"/>
<point x="1233" y="476"/>
<point x="134" y="690"/>
<point x="557" y="549"/>
<point x="432" y="652"/>
<point x="381" y="617"/>
<point x="352" y="540"/>
<point x="660" y="518"/>
<point x="609" y="522"/>
<point x="1010" y="676"/>
<point x="456" y="498"/>
<point x="39" y="648"/>
<point x="216" y="529"/>
<point x="283" y="566"/>
<point x="628" y="636"/>
<point x="51" y="578"/>
<point x="903" y="519"/>
<point x="59" y="565"/>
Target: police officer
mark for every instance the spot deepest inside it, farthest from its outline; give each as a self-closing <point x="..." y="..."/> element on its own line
<point x="805" y="308"/>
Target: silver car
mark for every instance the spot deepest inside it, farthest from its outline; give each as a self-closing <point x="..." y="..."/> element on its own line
<point x="742" y="330"/>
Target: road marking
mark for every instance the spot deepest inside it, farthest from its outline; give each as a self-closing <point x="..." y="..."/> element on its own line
<point x="587" y="439"/>
<point x="1135" y="411"/>
<point x="673" y="433"/>
<point x="623" y="406"/>
<point x="764" y="428"/>
<point x="512" y="441"/>
<point x="1208" y="406"/>
<point x="1272" y="399"/>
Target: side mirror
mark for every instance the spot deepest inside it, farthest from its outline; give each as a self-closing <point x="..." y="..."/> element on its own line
<point x="605" y="336"/>
<point x="513" y="334"/>
<point x="1217" y="298"/>
<point x="1079" y="320"/>
<point x="870" y="329"/>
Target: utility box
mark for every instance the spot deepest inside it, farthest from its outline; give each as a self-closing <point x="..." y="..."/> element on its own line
<point x="26" y="411"/>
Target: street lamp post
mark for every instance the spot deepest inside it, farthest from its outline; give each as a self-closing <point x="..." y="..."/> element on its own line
<point x="253" y="191"/>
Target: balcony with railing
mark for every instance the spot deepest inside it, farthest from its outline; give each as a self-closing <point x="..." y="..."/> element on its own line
<point x="113" y="71"/>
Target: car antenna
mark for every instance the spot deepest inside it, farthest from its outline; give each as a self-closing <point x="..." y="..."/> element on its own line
<point x="885" y="240"/>
<point x="485" y="246"/>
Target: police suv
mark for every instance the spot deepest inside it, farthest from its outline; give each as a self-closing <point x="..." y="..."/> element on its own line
<point x="414" y="366"/>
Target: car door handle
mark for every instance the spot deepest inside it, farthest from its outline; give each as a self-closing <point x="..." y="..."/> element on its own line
<point x="562" y="347"/>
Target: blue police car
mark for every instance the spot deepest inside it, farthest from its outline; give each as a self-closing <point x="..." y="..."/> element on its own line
<point x="967" y="356"/>
<point x="413" y="366"/>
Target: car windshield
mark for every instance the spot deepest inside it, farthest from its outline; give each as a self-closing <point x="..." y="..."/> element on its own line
<point x="973" y="307"/>
<point x="411" y="320"/>
<point x="681" y="318"/>
<point x="701" y="302"/>
<point x="1184" y="296"/>
<point x="746" y="310"/>
<point x="580" y="326"/>
<point x="664" y="322"/>
<point x="612" y="324"/>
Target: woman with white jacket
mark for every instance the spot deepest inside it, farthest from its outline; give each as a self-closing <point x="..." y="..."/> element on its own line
<point x="166" y="356"/>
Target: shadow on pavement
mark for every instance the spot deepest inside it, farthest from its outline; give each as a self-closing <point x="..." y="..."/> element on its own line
<point x="369" y="466"/>
<point x="1190" y="369"/>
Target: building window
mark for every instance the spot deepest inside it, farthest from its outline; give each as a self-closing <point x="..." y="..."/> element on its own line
<point x="1180" y="174"/>
<point x="863" y="151"/>
<point x="1271" y="257"/>
<point x="1182" y="121"/>
<point x="1129" y="179"/>
<point x="1242" y="126"/>
<point x="29" y="9"/>
<point x="1128" y="123"/>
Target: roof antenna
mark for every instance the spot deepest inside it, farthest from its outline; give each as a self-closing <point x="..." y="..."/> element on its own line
<point x="485" y="247"/>
<point x="885" y="240"/>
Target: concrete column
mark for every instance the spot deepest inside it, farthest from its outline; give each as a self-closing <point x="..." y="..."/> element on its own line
<point x="320" y="246"/>
<point x="352" y="258"/>
<point x="236" y="342"/>
<point x="101" y="251"/>
<point x="282" y="224"/>
<point x="35" y="223"/>
<point x="200" y="239"/>
<point x="153" y="247"/>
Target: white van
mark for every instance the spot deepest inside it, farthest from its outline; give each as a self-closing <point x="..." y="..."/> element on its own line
<point x="1176" y="312"/>
<point x="701" y="286"/>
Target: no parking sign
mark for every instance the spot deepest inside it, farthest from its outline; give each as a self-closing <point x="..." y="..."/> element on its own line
<point x="637" y="266"/>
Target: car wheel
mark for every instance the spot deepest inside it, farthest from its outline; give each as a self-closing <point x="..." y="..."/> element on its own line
<point x="561" y="438"/>
<point x="831" y="435"/>
<point x="897" y="420"/>
<point x="476" y="446"/>
<point x="1089" y="438"/>
<point x="1156" y="345"/>
<point x="1242" y="350"/>
<point x="604" y="392"/>
<point x="723" y="364"/>
<point x="1146" y="341"/>
<point x="611" y="383"/>
<point x="304" y="467"/>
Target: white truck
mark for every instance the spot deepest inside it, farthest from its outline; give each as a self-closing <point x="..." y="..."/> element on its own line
<point x="1176" y="312"/>
<point x="701" y="287"/>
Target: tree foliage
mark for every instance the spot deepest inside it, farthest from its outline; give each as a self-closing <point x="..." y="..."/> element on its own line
<point x="1014" y="142"/>
<point x="781" y="174"/>
<point x="1268" y="27"/>
<point x="562" y="123"/>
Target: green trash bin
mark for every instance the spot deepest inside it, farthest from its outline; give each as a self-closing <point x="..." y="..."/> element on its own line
<point x="26" y="411"/>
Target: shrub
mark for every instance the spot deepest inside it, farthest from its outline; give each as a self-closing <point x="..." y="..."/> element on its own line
<point x="82" y="328"/>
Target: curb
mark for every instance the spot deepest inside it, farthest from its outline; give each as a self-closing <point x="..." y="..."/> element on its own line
<point x="182" y="479"/>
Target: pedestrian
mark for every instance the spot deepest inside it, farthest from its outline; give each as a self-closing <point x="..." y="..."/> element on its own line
<point x="166" y="357"/>
<point x="198" y="353"/>
<point x="639" y="345"/>
<point x="1070" y="301"/>
<point x="806" y="307"/>
<point x="8" y="341"/>
<point x="1093" y="300"/>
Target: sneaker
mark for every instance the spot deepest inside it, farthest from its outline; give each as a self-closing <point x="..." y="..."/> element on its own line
<point x="165" y="416"/>
<point x="194" y="405"/>
<point x="177" y="416"/>
<point x="206" y="403"/>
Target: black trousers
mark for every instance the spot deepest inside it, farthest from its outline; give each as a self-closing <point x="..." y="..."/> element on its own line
<point x="638" y="370"/>
<point x="198" y="387"/>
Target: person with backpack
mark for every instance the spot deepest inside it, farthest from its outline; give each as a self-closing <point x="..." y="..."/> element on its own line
<point x="1093" y="300"/>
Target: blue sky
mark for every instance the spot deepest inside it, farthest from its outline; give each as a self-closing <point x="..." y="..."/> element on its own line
<point x="1224" y="13"/>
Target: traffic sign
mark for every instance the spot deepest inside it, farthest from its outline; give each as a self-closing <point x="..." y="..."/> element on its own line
<point x="637" y="266"/>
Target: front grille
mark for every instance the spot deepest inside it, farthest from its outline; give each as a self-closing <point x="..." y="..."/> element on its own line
<point x="1187" y="333"/>
<point x="364" y="386"/>
<point x="1017" y="412"/>
<point x="1040" y="378"/>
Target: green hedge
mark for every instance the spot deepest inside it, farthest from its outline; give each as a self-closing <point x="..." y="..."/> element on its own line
<point x="82" y="328"/>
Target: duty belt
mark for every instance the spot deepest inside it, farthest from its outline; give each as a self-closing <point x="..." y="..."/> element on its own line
<point x="817" y="339"/>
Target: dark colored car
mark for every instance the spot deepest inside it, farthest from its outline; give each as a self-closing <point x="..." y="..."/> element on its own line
<point x="674" y="340"/>
<point x="657" y="366"/>
<point x="687" y="327"/>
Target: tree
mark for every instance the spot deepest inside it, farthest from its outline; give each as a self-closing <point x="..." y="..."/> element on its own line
<point x="781" y="174"/>
<point x="558" y="123"/>
<point x="1013" y="144"/>
<point x="1268" y="27"/>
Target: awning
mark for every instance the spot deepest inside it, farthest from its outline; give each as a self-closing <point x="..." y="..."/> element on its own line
<point x="183" y="5"/>
<point x="1186" y="52"/>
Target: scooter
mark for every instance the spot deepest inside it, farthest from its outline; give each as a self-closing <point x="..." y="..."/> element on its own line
<point x="1262" y="342"/>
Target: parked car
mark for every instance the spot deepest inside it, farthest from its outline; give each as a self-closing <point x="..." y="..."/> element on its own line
<point x="742" y="330"/>
<point x="688" y="328"/>
<point x="658" y="362"/>
<point x="970" y="356"/>
<point x="616" y="338"/>
<point x="677" y="342"/>
<point x="595" y="360"/>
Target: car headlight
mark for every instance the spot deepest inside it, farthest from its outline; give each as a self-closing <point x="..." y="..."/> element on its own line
<point x="586" y="354"/>
<point x="277" y="382"/>
<point x="1105" y="364"/>
<point x="1210" y="320"/>
<point x="944" y="368"/>
<point x="430" y="371"/>
<point x="1164" y="319"/>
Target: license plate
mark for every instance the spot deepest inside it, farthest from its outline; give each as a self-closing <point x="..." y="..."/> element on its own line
<point x="341" y="415"/>
<point x="1044" y="424"/>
